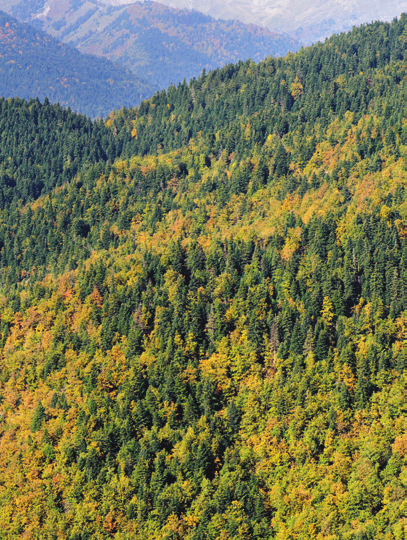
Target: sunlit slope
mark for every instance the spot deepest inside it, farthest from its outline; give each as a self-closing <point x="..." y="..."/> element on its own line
<point x="316" y="84"/>
<point x="205" y="337"/>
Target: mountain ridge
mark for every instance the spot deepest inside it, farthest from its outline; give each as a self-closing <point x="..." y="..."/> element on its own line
<point x="33" y="64"/>
<point x="154" y="41"/>
<point x="314" y="20"/>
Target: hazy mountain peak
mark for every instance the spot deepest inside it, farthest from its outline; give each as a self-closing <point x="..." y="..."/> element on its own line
<point x="155" y="41"/>
<point x="287" y="15"/>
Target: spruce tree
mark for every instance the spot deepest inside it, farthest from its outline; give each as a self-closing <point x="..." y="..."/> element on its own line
<point x="38" y="418"/>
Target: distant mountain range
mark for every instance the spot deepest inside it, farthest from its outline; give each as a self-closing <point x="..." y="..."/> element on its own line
<point x="307" y="20"/>
<point x="158" y="43"/>
<point x="33" y="64"/>
<point x="155" y="44"/>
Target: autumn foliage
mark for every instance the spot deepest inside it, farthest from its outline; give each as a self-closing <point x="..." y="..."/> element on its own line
<point x="204" y="337"/>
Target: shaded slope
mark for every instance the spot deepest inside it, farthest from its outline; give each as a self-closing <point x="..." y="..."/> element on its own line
<point x="33" y="64"/>
<point x="43" y="146"/>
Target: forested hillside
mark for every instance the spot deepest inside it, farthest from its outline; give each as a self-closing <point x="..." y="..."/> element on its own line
<point x="155" y="42"/>
<point x="33" y="64"/>
<point x="203" y="329"/>
<point x="278" y="95"/>
<point x="43" y="146"/>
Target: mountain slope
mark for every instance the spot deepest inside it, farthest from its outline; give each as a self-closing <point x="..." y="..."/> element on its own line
<point x="205" y="339"/>
<point x="321" y="17"/>
<point x="320" y="81"/>
<point x="44" y="146"/>
<point x="33" y="64"/>
<point x="154" y="41"/>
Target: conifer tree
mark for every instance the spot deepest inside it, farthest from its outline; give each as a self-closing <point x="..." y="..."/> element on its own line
<point x="38" y="418"/>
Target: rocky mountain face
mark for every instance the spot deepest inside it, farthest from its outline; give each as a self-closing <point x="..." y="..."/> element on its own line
<point x="310" y="20"/>
<point x="157" y="42"/>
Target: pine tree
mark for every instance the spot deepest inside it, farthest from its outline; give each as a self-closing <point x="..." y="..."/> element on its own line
<point x="38" y="418"/>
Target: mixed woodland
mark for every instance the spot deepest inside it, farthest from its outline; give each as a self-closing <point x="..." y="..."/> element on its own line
<point x="203" y="317"/>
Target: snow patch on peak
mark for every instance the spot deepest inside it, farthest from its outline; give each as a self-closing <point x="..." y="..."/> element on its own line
<point x="43" y="13"/>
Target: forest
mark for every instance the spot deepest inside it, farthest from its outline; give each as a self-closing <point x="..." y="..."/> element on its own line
<point x="34" y="64"/>
<point x="203" y="316"/>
